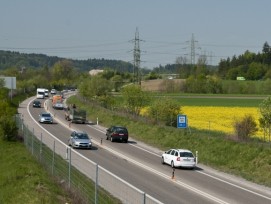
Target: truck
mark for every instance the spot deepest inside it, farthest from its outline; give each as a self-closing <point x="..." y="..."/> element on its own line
<point x="57" y="102"/>
<point x="75" y="115"/>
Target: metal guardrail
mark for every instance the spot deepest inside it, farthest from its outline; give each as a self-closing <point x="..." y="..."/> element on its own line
<point x="86" y="179"/>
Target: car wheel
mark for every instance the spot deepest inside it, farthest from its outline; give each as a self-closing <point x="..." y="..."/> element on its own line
<point x="162" y="160"/>
<point x="172" y="164"/>
<point x="125" y="141"/>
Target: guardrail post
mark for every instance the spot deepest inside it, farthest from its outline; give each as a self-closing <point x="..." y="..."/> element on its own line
<point x="97" y="121"/>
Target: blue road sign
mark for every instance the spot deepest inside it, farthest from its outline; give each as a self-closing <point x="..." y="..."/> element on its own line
<point x="181" y="121"/>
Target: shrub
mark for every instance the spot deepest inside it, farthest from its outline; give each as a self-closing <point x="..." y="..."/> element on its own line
<point x="8" y="129"/>
<point x="245" y="127"/>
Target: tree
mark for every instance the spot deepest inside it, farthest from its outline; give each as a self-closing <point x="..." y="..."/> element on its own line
<point x="63" y="70"/>
<point x="265" y="111"/>
<point x="165" y="110"/>
<point x="134" y="98"/>
<point x="94" y="87"/>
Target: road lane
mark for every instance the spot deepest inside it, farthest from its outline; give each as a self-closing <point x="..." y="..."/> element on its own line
<point x="143" y="169"/>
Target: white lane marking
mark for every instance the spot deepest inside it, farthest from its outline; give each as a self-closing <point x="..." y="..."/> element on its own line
<point x="219" y="179"/>
<point x="229" y="183"/>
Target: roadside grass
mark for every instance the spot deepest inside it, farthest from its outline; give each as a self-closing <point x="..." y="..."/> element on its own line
<point x="250" y="160"/>
<point x="23" y="180"/>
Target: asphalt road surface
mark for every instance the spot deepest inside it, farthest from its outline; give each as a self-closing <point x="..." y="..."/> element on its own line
<point x="140" y="165"/>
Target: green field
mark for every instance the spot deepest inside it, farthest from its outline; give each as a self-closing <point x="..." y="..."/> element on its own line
<point x="221" y="101"/>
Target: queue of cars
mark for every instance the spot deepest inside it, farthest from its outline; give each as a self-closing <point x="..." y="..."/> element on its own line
<point x="176" y="158"/>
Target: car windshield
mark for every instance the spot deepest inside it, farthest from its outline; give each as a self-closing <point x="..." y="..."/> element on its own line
<point x="81" y="136"/>
<point x="186" y="154"/>
<point x="46" y="115"/>
<point x="36" y="102"/>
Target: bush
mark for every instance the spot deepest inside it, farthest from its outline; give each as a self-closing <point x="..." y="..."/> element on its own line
<point x="8" y="129"/>
<point x="245" y="127"/>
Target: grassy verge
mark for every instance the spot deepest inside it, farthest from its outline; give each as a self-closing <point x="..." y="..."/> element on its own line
<point x="251" y="161"/>
<point x="23" y="180"/>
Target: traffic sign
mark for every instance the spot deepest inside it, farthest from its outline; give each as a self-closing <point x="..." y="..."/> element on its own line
<point x="181" y="121"/>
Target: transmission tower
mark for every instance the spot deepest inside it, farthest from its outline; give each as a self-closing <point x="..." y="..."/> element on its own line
<point x="193" y="47"/>
<point x="136" y="68"/>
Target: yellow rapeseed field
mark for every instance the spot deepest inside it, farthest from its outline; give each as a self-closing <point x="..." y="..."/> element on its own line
<point x="219" y="118"/>
<point x="216" y="118"/>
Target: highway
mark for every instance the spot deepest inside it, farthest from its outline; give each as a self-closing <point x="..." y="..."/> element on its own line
<point x="140" y="165"/>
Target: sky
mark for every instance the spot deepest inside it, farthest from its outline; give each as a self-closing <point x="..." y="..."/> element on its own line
<point x="87" y="29"/>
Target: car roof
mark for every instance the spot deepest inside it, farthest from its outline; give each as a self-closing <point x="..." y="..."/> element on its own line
<point x="118" y="126"/>
<point x="182" y="150"/>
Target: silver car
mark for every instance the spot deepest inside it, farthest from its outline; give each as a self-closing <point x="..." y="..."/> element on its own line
<point x="80" y="140"/>
<point x="45" y="118"/>
<point x="179" y="158"/>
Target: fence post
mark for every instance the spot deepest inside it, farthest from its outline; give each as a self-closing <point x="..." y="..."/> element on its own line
<point x="32" y="142"/>
<point x="40" y="147"/>
<point x="70" y="168"/>
<point x="53" y="160"/>
<point x="96" y="184"/>
<point x="144" y="198"/>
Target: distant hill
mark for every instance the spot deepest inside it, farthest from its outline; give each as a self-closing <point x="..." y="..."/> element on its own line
<point x="10" y="59"/>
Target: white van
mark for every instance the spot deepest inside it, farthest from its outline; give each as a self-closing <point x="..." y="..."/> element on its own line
<point x="46" y="92"/>
<point x="40" y="93"/>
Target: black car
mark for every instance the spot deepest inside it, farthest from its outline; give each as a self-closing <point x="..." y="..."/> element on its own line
<point x="36" y="104"/>
<point x="119" y="133"/>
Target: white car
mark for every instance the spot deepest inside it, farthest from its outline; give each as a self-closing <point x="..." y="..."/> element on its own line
<point x="179" y="158"/>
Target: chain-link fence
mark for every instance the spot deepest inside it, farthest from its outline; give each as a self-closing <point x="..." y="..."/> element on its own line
<point x="86" y="180"/>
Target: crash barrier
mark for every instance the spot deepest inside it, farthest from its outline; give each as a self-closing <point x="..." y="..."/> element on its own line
<point x="79" y="174"/>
